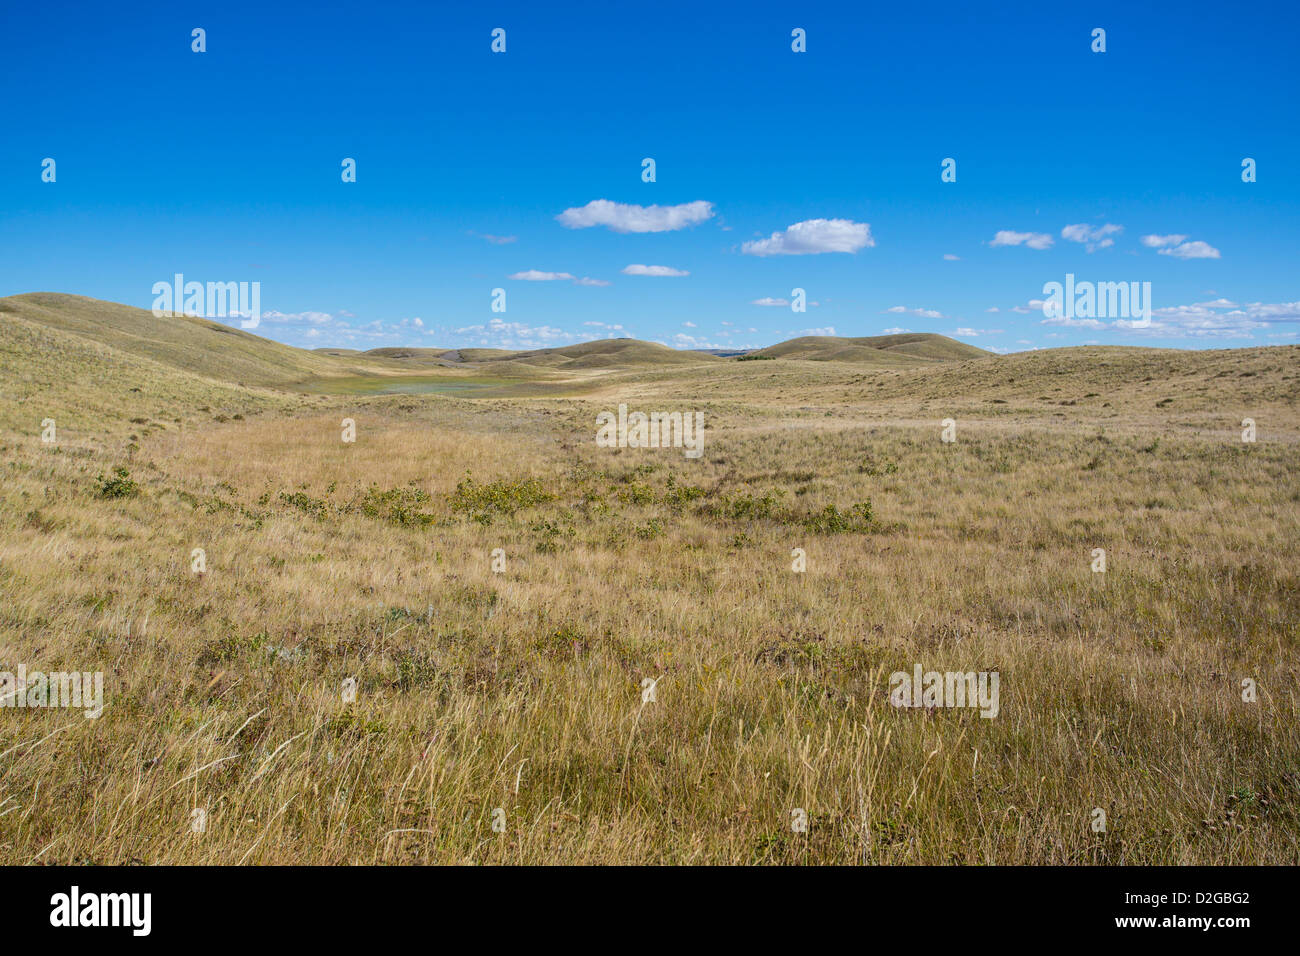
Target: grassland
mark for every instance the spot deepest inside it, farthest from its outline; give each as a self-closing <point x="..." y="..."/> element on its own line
<point x="901" y="349"/>
<point x="522" y="690"/>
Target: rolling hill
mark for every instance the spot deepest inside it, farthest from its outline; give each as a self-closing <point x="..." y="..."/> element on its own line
<point x="198" y="346"/>
<point x="226" y="353"/>
<point x="605" y="353"/>
<point x="904" y="349"/>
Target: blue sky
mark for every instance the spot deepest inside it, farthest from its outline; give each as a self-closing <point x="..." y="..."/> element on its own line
<point x="225" y="166"/>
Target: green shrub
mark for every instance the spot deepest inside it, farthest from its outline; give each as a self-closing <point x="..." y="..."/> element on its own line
<point x="119" y="485"/>
<point x="399" y="506"/>
<point x="497" y="497"/>
<point x="830" y="520"/>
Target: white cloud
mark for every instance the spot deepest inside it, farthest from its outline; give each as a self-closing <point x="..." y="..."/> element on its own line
<point x="1155" y="242"/>
<point x="515" y="334"/>
<point x="975" y="333"/>
<point x="688" y="325"/>
<point x="951" y="258"/>
<point x="1061" y="320"/>
<point x="286" y="318"/>
<point x="1178" y="247"/>
<point x="993" y="309"/>
<point x="1191" y="250"/>
<point x="625" y="217"/>
<point x="533" y="275"/>
<point x="1034" y="240"/>
<point x="895" y="331"/>
<point x="1094" y="237"/>
<point x="640" y="270"/>
<point x="1201" y="320"/>
<point x="495" y="240"/>
<point x="813" y="236"/>
<point x="921" y="313"/>
<point x="827" y="330"/>
<point x="1033" y="305"/>
<point x="768" y="300"/>
<point x="683" y="341"/>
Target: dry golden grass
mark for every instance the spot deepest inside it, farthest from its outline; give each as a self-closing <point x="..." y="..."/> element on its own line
<point x="522" y="690"/>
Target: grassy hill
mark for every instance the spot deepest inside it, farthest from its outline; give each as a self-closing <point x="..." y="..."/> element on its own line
<point x="905" y="349"/>
<point x="46" y="338"/>
<point x="92" y="389"/>
<point x="225" y="353"/>
<point x="198" y="346"/>
<point x="608" y="353"/>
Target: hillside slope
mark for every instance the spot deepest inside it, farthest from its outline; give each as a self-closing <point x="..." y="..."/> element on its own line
<point x="198" y="346"/>
<point x="607" y="353"/>
<point x="908" y="348"/>
<point x="92" y="390"/>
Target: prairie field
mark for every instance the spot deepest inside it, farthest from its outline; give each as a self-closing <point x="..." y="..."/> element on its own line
<point x="639" y="674"/>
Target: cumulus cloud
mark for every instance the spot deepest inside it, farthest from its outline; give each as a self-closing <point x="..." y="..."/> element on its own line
<point x="1191" y="250"/>
<point x="1155" y="242"/>
<point x="825" y="330"/>
<point x="921" y="313"/>
<point x="1094" y="237"/>
<point x="640" y="270"/>
<point x="495" y="240"/>
<point x="975" y="333"/>
<point x="290" y="318"/>
<point x="1075" y="323"/>
<point x="1178" y="247"/>
<point x="1034" y="240"/>
<point x="1219" y="319"/>
<point x="768" y="300"/>
<point x="813" y="236"/>
<point x="1034" y="305"/>
<point x="683" y="341"/>
<point x="895" y="331"/>
<point x="625" y="217"/>
<point x="951" y="258"/>
<point x="515" y="335"/>
<point x="534" y="275"/>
